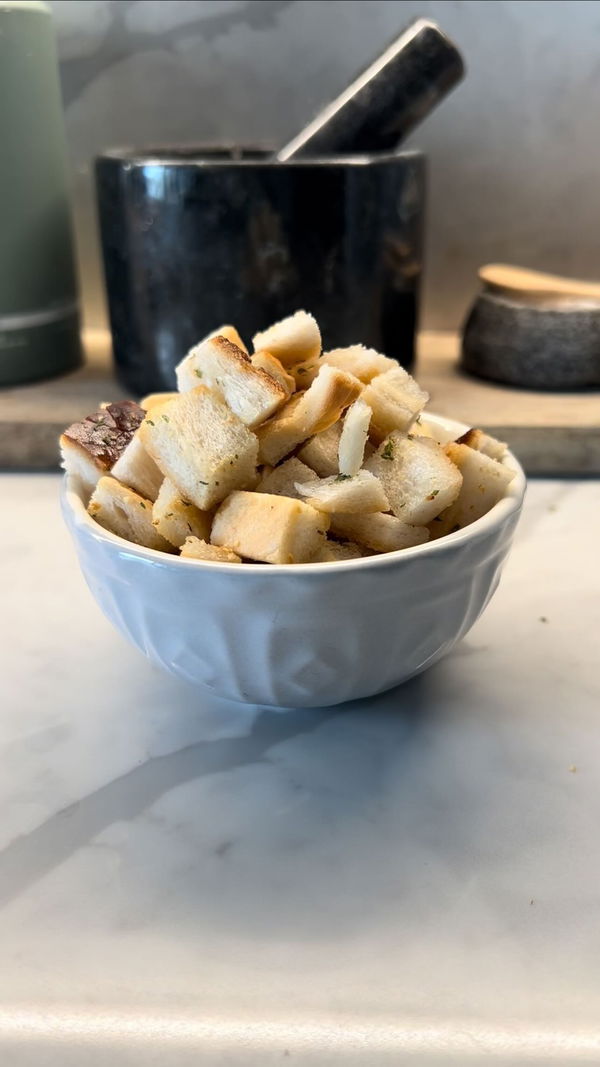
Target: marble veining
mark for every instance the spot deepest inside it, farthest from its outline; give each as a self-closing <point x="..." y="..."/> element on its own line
<point x="413" y="879"/>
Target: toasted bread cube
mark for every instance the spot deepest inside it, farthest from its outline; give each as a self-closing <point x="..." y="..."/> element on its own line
<point x="362" y="493"/>
<point x="353" y="440"/>
<point x="125" y="513"/>
<point x="484" y="483"/>
<point x="230" y="334"/>
<point x="281" y="481"/>
<point x="281" y="434"/>
<point x="149" y="401"/>
<point x="396" y="400"/>
<point x="268" y="528"/>
<point x="321" y="451"/>
<point x="270" y="365"/>
<point x="335" y="551"/>
<point x="251" y="394"/>
<point x="292" y="340"/>
<point x="91" y="447"/>
<point x="484" y="442"/>
<point x="201" y="446"/>
<point x="308" y="413"/>
<point x="329" y="395"/>
<point x="384" y="533"/>
<point x="363" y="363"/>
<point x="136" y="469"/>
<point x="176" y="519"/>
<point x="419" y="479"/>
<point x="196" y="548"/>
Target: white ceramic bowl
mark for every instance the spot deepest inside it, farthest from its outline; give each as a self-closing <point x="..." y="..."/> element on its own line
<point x="299" y="635"/>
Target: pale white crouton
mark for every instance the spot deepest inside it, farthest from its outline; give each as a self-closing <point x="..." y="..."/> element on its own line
<point x="292" y="340"/>
<point x="484" y="483"/>
<point x="281" y="481"/>
<point x="484" y="442"/>
<point x="126" y="513"/>
<point x="355" y="432"/>
<point x="149" y="401"/>
<point x="252" y="394"/>
<point x="419" y="479"/>
<point x="175" y="518"/>
<point x="196" y="548"/>
<point x="201" y="446"/>
<point x="307" y="413"/>
<point x="360" y="494"/>
<point x="265" y="361"/>
<point x="138" y="470"/>
<point x="395" y="400"/>
<point x="268" y="528"/>
<point x="334" y="551"/>
<point x="363" y="363"/>
<point x="384" y="533"/>
<point x="321" y="452"/>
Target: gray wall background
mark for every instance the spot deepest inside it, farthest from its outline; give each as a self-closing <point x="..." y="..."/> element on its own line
<point x="514" y="152"/>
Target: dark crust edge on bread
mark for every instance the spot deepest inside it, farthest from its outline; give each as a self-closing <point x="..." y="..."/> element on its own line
<point x="105" y="434"/>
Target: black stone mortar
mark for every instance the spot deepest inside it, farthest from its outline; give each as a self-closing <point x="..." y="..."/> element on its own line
<point x="537" y="346"/>
<point x="196" y="238"/>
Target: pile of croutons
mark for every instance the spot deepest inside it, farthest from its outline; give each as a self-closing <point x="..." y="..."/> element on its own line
<point x="287" y="455"/>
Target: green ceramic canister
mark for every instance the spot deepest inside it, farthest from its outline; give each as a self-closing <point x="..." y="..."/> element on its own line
<point x="39" y="317"/>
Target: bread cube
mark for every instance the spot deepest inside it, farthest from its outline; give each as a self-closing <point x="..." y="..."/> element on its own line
<point x="138" y="470"/>
<point x="196" y="548"/>
<point x="307" y="413"/>
<point x="363" y="363"/>
<point x="484" y="483"/>
<point x="395" y="400"/>
<point x="149" y="401"/>
<point x="484" y="442"/>
<point x="270" y="365"/>
<point x="384" y="533"/>
<point x="268" y="528"/>
<point x="361" y="493"/>
<point x="353" y="440"/>
<point x="91" y="447"/>
<point x="125" y="513"/>
<point x="176" y="519"/>
<point x="321" y="451"/>
<point x="230" y="334"/>
<point x="292" y="340"/>
<point x="419" y="479"/>
<point x="281" y="481"/>
<point x="201" y="446"/>
<point x="251" y="394"/>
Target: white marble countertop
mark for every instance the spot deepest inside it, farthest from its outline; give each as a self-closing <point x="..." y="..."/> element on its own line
<point x="414" y="879"/>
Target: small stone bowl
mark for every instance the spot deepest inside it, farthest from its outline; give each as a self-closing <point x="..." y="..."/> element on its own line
<point x="553" y="344"/>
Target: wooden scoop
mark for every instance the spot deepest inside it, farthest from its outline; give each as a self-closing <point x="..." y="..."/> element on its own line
<point x="533" y="286"/>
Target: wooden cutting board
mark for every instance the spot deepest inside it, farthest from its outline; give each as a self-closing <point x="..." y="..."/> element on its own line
<point x="551" y="433"/>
